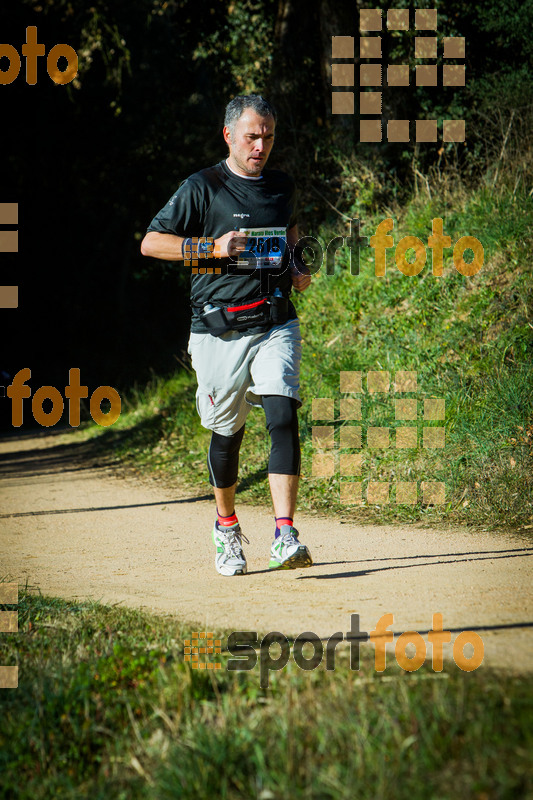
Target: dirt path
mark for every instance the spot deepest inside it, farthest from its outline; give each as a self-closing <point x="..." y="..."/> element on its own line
<point x="82" y="532"/>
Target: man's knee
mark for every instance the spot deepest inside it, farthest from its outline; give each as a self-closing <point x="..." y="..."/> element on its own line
<point x="223" y="459"/>
<point x="281" y="415"/>
<point x="280" y="412"/>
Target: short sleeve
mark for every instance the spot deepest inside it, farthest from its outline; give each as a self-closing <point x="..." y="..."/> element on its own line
<point x="184" y="213"/>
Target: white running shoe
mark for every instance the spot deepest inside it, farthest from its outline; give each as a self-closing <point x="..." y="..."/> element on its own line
<point x="229" y="558"/>
<point x="287" y="552"/>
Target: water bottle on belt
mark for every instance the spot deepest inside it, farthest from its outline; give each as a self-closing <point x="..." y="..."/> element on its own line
<point x="215" y="319"/>
<point x="279" y="307"/>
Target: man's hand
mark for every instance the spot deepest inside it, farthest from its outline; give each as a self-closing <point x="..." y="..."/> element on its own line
<point x="301" y="278"/>
<point x="230" y="245"/>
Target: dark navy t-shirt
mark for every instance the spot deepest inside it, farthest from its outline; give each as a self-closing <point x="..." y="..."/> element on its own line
<point x="216" y="200"/>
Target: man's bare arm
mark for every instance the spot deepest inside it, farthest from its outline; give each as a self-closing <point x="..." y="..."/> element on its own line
<point x="300" y="280"/>
<point x="292" y="236"/>
<point x="165" y="246"/>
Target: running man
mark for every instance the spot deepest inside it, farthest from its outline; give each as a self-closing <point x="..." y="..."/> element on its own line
<point x="245" y="341"/>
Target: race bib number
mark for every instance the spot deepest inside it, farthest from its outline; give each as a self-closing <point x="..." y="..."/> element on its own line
<point x="265" y="248"/>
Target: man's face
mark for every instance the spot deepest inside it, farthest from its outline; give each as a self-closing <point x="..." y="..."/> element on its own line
<point x="251" y="143"/>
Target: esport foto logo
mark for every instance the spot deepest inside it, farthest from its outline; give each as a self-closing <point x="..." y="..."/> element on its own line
<point x="410" y="649"/>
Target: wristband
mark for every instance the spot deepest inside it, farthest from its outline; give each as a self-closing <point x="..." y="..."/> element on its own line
<point x="204" y="248"/>
<point x="186" y="248"/>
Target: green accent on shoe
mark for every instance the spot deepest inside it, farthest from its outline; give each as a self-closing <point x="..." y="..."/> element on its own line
<point x="273" y="564"/>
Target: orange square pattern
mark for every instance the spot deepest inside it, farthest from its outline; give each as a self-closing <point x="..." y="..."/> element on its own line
<point x="370" y="47"/>
<point x="350" y="464"/>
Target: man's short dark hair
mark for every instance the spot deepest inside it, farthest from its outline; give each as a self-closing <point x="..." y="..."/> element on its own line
<point x="256" y="102"/>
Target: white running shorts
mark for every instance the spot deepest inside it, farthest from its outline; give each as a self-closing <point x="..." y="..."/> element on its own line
<point x="234" y="370"/>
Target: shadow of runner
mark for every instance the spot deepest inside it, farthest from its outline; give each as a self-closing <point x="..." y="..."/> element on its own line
<point x="363" y="572"/>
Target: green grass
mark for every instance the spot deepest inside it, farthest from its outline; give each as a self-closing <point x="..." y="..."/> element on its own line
<point x="107" y="708"/>
<point x="468" y="338"/>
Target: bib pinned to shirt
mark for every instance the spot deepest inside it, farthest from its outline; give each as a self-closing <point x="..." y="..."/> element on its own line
<point x="265" y="248"/>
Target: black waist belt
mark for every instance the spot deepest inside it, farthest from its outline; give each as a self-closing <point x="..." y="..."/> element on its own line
<point x="273" y="310"/>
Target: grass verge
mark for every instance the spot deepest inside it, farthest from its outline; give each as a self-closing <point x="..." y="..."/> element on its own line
<point x="107" y="707"/>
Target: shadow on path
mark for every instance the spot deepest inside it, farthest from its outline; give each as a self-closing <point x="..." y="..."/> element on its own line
<point x="519" y="553"/>
<point x="72" y="457"/>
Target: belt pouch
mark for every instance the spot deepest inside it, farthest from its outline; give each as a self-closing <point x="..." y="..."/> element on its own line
<point x="248" y="315"/>
<point x="215" y="320"/>
<point x="279" y="309"/>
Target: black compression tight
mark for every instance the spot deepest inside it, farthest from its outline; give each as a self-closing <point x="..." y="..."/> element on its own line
<point x="282" y="425"/>
<point x="223" y="459"/>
